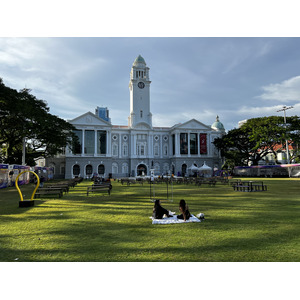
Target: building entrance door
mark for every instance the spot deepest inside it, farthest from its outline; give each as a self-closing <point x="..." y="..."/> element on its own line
<point x="141" y="170"/>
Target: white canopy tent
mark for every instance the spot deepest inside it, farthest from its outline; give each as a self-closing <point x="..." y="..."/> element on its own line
<point x="205" y="170"/>
<point x="193" y="168"/>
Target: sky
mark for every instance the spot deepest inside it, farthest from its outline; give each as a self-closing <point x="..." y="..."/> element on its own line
<point x="235" y="78"/>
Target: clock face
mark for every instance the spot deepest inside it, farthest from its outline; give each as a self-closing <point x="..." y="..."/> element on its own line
<point x="141" y="85"/>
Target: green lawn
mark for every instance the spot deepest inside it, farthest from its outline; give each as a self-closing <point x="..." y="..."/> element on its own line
<point x="259" y="226"/>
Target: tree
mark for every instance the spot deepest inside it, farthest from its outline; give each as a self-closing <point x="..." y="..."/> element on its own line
<point x="235" y="147"/>
<point x="23" y="116"/>
<point x="257" y="138"/>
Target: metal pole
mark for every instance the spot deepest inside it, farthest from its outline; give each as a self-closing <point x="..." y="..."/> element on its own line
<point x="150" y="189"/>
<point x="168" y="186"/>
<point x="286" y="142"/>
<point x="284" y="108"/>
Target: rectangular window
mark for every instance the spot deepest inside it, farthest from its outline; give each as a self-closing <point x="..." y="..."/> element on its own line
<point x="77" y="143"/>
<point x="165" y="150"/>
<point x="101" y="142"/>
<point x="125" y="150"/>
<point x="62" y="170"/>
<point x="203" y="143"/>
<point x="89" y="141"/>
<point x="183" y="143"/>
<point x="193" y="143"/>
<point x="173" y="143"/>
<point x="156" y="150"/>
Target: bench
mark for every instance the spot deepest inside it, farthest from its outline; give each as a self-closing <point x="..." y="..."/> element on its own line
<point x="64" y="188"/>
<point x="249" y="186"/>
<point x="98" y="189"/>
<point x="209" y="182"/>
<point x="48" y="191"/>
<point x="222" y="180"/>
<point x="128" y="181"/>
<point x="107" y="183"/>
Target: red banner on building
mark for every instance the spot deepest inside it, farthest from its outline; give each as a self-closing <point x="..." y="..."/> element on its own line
<point x="203" y="143"/>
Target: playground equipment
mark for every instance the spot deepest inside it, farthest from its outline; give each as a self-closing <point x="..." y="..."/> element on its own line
<point x="22" y="202"/>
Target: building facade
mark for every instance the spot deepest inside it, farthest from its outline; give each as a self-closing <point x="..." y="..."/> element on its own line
<point x="134" y="149"/>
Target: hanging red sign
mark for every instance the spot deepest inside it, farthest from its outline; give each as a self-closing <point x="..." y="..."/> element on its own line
<point x="203" y="143"/>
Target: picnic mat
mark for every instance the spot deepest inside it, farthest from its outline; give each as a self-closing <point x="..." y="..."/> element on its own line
<point x="174" y="220"/>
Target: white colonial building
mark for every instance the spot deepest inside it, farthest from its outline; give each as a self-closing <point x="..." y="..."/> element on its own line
<point x="133" y="150"/>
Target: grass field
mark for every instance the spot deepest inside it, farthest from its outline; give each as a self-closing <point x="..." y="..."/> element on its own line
<point x="239" y="227"/>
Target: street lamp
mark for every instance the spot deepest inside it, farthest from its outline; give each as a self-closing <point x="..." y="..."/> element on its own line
<point x="284" y="108"/>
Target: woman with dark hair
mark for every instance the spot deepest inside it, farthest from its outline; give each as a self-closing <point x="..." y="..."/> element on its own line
<point x="159" y="211"/>
<point x="184" y="209"/>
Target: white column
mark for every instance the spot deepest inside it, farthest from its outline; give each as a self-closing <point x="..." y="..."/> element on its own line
<point x="82" y="149"/>
<point x="150" y="146"/>
<point x="134" y="144"/>
<point x="95" y="150"/>
<point x="189" y="146"/>
<point x="177" y="144"/>
<point x="120" y="146"/>
<point x="130" y="150"/>
<point x="108" y="143"/>
<point x="161" y="144"/>
<point x="198" y="139"/>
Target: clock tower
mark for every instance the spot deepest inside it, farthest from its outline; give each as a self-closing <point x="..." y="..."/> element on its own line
<point x="139" y="88"/>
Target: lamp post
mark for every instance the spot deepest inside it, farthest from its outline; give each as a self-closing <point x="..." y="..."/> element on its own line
<point x="284" y="108"/>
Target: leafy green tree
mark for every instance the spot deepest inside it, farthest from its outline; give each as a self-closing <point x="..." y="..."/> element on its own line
<point x="23" y="116"/>
<point x="234" y="147"/>
<point x="257" y="138"/>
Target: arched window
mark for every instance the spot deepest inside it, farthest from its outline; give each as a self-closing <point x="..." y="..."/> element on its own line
<point x="114" y="168"/>
<point x="125" y="149"/>
<point x="76" y="170"/>
<point x="88" y="170"/>
<point x="165" y="150"/>
<point x="101" y="170"/>
<point x="115" y="149"/>
<point x="166" y="168"/>
<point x="124" y="168"/>
<point x="141" y="148"/>
<point x="183" y="169"/>
<point x="156" y="150"/>
<point x="157" y="168"/>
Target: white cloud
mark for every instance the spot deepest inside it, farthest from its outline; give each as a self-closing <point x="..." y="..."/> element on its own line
<point x="287" y="90"/>
<point x="50" y="69"/>
<point x="249" y="112"/>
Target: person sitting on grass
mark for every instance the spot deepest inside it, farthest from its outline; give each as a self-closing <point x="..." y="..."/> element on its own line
<point x="184" y="209"/>
<point x="159" y="211"/>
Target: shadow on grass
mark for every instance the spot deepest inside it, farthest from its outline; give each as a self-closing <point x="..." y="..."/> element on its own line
<point x="117" y="228"/>
<point x="110" y="241"/>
